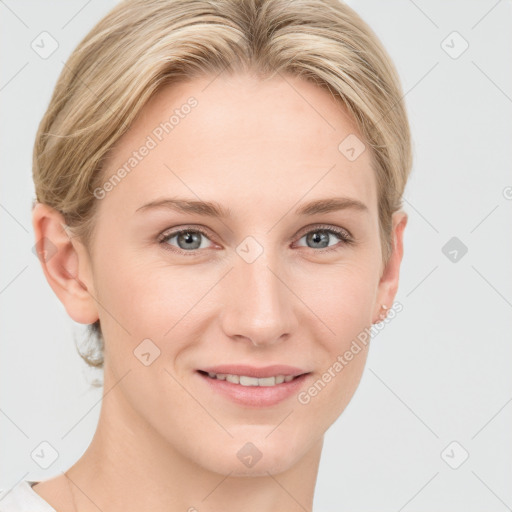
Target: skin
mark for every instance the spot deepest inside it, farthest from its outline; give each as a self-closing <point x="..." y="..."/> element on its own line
<point x="260" y="148"/>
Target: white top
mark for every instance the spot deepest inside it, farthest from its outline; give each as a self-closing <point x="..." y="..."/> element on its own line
<point x="22" y="498"/>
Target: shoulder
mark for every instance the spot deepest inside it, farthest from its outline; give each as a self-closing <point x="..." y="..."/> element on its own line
<point x="22" y="498"/>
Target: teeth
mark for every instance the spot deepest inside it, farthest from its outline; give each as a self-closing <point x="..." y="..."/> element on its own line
<point x="235" y="379"/>
<point x="250" y="381"/>
<point x="267" y="381"/>
<point x="244" y="380"/>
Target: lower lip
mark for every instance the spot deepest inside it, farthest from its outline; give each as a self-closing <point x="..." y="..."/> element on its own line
<point x="255" y="396"/>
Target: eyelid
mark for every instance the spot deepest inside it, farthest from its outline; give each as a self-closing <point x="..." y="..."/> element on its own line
<point x="176" y="231"/>
<point x="343" y="233"/>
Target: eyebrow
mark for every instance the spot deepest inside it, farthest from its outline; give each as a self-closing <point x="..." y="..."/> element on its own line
<point x="214" y="209"/>
<point x="207" y="208"/>
<point x="331" y="205"/>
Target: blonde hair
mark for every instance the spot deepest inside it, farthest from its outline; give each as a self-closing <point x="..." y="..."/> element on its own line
<point x="140" y="45"/>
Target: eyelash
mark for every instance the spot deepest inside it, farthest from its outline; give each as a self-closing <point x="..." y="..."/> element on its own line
<point x="342" y="234"/>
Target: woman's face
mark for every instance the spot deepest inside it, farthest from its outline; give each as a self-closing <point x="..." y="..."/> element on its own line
<point x="268" y="282"/>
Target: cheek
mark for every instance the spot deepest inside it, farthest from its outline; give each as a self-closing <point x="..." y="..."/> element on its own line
<point x="130" y="300"/>
<point x="344" y="303"/>
<point x="151" y="300"/>
<point x="342" y="296"/>
<point x="132" y="289"/>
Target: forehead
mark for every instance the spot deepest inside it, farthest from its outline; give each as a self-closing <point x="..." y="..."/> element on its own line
<point x="239" y="138"/>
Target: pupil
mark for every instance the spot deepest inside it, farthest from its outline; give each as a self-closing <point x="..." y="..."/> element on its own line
<point x="319" y="237"/>
<point x="189" y="238"/>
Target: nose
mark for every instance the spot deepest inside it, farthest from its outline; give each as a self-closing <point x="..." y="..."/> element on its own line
<point x="258" y="305"/>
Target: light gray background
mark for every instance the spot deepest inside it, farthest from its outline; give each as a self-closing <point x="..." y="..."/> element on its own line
<point x="439" y="373"/>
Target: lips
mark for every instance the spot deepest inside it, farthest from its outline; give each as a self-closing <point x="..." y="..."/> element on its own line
<point x="255" y="387"/>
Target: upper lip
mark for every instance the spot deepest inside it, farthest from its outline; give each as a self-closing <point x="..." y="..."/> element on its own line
<point x="253" y="371"/>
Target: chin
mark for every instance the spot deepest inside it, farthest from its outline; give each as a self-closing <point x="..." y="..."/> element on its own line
<point x="262" y="468"/>
<point x="247" y="458"/>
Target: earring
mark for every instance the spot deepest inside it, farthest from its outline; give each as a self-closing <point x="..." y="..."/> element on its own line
<point x="384" y="314"/>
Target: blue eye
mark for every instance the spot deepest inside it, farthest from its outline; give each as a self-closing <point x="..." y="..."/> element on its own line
<point x="320" y="238"/>
<point x="190" y="240"/>
<point x="187" y="239"/>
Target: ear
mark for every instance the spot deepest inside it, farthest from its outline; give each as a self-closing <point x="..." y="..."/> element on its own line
<point x="388" y="284"/>
<point x="66" y="264"/>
